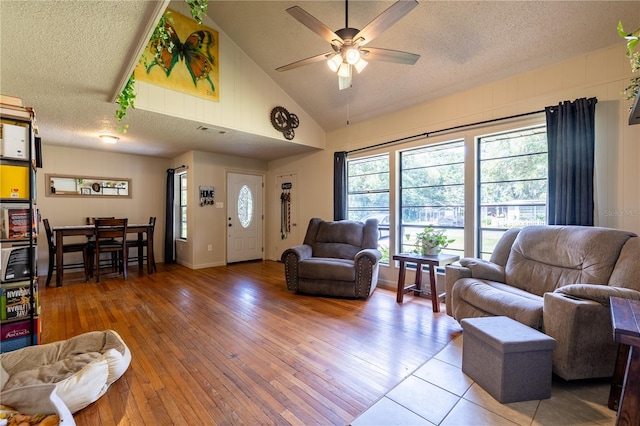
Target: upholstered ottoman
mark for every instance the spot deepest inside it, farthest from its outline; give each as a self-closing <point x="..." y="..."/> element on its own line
<point x="508" y="359"/>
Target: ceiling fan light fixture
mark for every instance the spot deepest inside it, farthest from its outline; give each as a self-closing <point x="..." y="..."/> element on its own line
<point x="334" y="62"/>
<point x="344" y="70"/>
<point x="359" y="66"/>
<point x="351" y="55"/>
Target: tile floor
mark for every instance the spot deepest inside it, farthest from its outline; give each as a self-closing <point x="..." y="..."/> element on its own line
<point x="438" y="393"/>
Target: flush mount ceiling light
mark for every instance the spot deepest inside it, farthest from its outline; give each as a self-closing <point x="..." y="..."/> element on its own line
<point x="348" y="43"/>
<point x="109" y="139"/>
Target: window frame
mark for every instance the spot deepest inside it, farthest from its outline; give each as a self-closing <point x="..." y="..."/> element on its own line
<point x="479" y="229"/>
<point x="182" y="205"/>
<point x="352" y="212"/>
<point x="455" y="143"/>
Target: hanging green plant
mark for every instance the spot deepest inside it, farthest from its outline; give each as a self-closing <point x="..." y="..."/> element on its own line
<point x="631" y="91"/>
<point x="125" y="101"/>
<point x="160" y="38"/>
<point x="198" y="8"/>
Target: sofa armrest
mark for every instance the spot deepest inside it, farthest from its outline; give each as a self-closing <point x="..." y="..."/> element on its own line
<point x="367" y="264"/>
<point x="291" y="257"/>
<point x="373" y="254"/>
<point x="453" y="273"/>
<point x="597" y="293"/>
<point x="301" y="252"/>
<point x="582" y="328"/>
<point x="483" y="269"/>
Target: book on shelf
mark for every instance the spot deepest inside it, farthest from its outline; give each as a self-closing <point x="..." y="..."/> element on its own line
<point x="18" y="334"/>
<point x="17" y="222"/>
<point x="15" y="300"/>
<point x="15" y="260"/>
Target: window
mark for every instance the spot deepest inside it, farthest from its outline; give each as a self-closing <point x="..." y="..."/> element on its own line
<point x="512" y="169"/>
<point x="368" y="195"/>
<point x="245" y="206"/>
<point x="432" y="193"/>
<point x="182" y="223"/>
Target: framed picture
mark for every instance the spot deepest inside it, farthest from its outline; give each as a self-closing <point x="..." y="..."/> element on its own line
<point x="193" y="67"/>
<point x="85" y="191"/>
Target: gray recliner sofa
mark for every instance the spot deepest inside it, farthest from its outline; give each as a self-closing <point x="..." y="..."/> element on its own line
<point x="557" y="279"/>
<point x="338" y="258"/>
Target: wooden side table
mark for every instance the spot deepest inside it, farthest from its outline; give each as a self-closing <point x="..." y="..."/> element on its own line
<point x="625" y="315"/>
<point x="433" y="261"/>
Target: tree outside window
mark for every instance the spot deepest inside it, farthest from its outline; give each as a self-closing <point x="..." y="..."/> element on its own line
<point x="368" y="195"/>
<point x="432" y="193"/>
<point x="512" y="193"/>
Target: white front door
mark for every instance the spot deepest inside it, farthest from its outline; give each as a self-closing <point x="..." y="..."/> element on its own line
<point x="244" y="217"/>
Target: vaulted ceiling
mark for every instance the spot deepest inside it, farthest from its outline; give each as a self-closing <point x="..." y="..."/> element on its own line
<point x="66" y="59"/>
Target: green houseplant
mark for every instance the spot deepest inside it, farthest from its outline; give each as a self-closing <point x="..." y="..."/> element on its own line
<point x="431" y="241"/>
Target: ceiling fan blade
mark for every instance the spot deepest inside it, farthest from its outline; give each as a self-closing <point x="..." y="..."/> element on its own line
<point x="385" y="20"/>
<point x="309" y="21"/>
<point x="388" y="55"/>
<point x="304" y="62"/>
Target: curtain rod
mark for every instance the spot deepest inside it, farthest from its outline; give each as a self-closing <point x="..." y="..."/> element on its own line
<point x="427" y="134"/>
<point x="180" y="167"/>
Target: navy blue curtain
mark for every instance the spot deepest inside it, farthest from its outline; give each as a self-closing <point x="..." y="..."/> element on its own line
<point x="571" y="143"/>
<point x="340" y="185"/>
<point x="169" y="243"/>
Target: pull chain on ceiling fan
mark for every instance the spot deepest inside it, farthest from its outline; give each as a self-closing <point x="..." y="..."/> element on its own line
<point x="348" y="43"/>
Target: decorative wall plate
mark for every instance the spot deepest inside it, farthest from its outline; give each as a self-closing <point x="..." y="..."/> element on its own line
<point x="284" y="122"/>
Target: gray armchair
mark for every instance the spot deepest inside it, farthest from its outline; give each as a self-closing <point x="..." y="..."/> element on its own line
<point x="336" y="259"/>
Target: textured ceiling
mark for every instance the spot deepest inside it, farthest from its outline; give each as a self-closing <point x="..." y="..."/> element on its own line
<point x="67" y="58"/>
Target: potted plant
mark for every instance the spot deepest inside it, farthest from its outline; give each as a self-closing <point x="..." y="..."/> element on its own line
<point x="431" y="241"/>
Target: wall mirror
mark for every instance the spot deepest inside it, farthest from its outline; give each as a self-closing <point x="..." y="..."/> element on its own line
<point x="87" y="186"/>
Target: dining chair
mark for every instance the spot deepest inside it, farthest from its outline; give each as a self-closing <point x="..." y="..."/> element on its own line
<point x="111" y="237"/>
<point x="91" y="238"/>
<point x="84" y="248"/>
<point x="141" y="244"/>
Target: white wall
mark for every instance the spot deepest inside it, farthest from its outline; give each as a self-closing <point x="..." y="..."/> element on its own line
<point x="148" y="177"/>
<point x="602" y="74"/>
<point x="207" y="225"/>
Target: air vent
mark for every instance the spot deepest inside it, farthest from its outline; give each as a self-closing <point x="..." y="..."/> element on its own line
<point x="213" y="130"/>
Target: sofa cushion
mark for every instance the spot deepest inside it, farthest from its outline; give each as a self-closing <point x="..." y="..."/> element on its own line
<point x="544" y="258"/>
<point x="495" y="298"/>
<point x="342" y="239"/>
<point x="318" y="268"/>
<point x="502" y="249"/>
<point x="627" y="271"/>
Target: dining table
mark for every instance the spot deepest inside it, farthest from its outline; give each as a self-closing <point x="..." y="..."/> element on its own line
<point x="88" y="230"/>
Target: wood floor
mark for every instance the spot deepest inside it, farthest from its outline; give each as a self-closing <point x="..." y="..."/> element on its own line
<point x="230" y="345"/>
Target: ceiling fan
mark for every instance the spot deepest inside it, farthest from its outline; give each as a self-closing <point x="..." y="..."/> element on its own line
<point x="348" y="44"/>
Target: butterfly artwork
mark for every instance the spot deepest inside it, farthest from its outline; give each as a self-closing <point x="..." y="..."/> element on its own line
<point x="194" y="52"/>
<point x="185" y="60"/>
